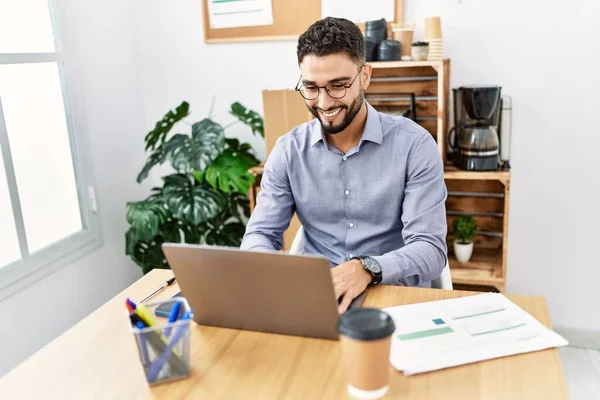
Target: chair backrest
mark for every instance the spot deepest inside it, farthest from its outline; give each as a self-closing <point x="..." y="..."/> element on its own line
<point x="297" y="246"/>
<point x="444" y="281"/>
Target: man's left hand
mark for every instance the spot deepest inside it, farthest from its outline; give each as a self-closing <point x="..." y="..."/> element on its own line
<point x="350" y="279"/>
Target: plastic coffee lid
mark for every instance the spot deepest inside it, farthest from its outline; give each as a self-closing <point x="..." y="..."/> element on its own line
<point x="366" y="324"/>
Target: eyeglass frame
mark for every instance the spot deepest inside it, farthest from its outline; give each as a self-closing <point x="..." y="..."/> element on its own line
<point x="346" y="87"/>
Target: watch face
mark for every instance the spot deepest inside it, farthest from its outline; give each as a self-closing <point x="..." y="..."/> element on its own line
<point x="372" y="265"/>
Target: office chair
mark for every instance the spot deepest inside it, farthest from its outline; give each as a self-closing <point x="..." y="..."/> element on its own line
<point x="444" y="281"/>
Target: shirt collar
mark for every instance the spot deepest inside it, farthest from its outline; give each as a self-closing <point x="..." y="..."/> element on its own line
<point x="372" y="131"/>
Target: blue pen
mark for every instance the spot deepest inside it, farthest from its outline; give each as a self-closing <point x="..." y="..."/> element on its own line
<point x="141" y="325"/>
<point x="159" y="362"/>
<point x="173" y="316"/>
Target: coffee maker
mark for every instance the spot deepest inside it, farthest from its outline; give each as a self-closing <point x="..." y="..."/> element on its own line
<point x="474" y="138"/>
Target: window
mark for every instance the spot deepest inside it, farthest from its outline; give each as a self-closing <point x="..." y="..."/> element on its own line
<point x="46" y="202"/>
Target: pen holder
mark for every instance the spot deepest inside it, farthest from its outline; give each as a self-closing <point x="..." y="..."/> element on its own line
<point x="164" y="348"/>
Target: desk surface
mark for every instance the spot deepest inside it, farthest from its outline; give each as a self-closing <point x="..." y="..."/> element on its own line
<point x="97" y="358"/>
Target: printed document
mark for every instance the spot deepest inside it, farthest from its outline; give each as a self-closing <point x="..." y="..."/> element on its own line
<point x="441" y="334"/>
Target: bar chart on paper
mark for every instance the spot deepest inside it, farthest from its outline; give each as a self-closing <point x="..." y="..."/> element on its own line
<point x="442" y="334"/>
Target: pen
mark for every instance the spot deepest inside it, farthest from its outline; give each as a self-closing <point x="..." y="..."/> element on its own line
<point x="173" y="317"/>
<point x="164" y="285"/>
<point x="142" y="312"/>
<point x="145" y="315"/>
<point x="143" y="345"/>
<point x="130" y="305"/>
<point x="134" y="318"/>
<point x="157" y="365"/>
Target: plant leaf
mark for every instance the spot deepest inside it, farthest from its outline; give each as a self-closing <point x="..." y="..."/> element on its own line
<point x="196" y="152"/>
<point x="189" y="202"/>
<point x="248" y="117"/>
<point x="147" y="254"/>
<point x="199" y="175"/>
<point x="243" y="152"/>
<point x="229" y="172"/>
<point x="238" y="206"/>
<point x="146" y="216"/>
<point x="162" y="127"/>
<point x="158" y="157"/>
<point x="178" y="231"/>
<point x="224" y="231"/>
<point x="131" y="240"/>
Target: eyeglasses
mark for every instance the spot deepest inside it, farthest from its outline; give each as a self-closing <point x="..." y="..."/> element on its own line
<point x="335" y="90"/>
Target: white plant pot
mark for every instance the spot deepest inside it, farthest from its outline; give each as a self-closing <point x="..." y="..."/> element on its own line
<point x="463" y="252"/>
<point x="419" y="53"/>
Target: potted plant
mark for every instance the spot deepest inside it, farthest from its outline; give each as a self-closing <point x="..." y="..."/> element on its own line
<point x="464" y="229"/>
<point x="204" y="200"/>
<point x="419" y="51"/>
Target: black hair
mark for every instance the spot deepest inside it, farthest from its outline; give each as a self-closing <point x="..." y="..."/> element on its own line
<point x="332" y="36"/>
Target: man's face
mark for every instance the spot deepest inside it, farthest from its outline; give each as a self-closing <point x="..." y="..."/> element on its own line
<point x="335" y="115"/>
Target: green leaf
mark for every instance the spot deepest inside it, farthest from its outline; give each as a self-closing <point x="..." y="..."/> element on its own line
<point x="131" y="240"/>
<point x="158" y="157"/>
<point x="196" y="152"/>
<point x="229" y="172"/>
<point x="199" y="175"/>
<point x="248" y="117"/>
<point x="238" y="206"/>
<point x="189" y="202"/>
<point x="223" y="231"/>
<point x="243" y="152"/>
<point x="162" y="127"/>
<point x="146" y="216"/>
<point x="148" y="255"/>
<point x="178" y="231"/>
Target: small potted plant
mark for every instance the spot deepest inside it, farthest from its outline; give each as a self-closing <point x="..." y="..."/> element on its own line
<point x="464" y="229"/>
<point x="419" y="51"/>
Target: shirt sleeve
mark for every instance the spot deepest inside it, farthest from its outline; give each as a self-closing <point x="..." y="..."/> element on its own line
<point x="424" y="255"/>
<point x="274" y="205"/>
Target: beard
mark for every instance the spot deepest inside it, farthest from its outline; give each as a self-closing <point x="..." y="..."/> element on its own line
<point x="350" y="113"/>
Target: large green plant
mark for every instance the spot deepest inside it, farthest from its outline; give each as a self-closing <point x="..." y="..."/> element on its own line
<point x="205" y="200"/>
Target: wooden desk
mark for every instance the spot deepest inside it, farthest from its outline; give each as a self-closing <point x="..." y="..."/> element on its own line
<point x="97" y="358"/>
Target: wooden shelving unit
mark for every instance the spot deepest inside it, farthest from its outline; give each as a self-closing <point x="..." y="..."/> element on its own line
<point x="484" y="195"/>
<point x="430" y="83"/>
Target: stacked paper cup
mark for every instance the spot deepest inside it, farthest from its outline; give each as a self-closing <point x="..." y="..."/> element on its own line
<point x="404" y="34"/>
<point x="432" y="33"/>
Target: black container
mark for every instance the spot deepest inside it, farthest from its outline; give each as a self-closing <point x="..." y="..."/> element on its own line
<point x="389" y="50"/>
<point x="376" y="29"/>
<point x="370" y="49"/>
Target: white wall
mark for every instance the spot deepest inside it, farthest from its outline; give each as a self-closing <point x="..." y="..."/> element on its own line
<point x="542" y="54"/>
<point x="100" y="53"/>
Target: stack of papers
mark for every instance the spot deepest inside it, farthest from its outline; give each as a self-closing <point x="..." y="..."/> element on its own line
<point x="441" y="334"/>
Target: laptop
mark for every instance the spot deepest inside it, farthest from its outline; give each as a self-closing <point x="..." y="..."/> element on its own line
<point x="260" y="291"/>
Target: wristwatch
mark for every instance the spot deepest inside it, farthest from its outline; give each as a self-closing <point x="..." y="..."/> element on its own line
<point x="371" y="266"/>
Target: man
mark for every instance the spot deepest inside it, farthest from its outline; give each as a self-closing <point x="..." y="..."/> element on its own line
<point x="368" y="188"/>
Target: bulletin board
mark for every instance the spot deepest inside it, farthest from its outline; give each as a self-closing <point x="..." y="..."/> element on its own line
<point x="288" y="22"/>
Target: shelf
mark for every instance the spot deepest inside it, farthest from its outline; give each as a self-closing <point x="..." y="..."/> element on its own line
<point x="484" y="268"/>
<point x="407" y="64"/>
<point x="451" y="172"/>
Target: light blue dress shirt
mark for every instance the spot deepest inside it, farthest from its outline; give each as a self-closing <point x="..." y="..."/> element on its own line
<point x="384" y="198"/>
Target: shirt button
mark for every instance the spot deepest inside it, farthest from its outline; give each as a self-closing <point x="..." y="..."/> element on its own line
<point x="344" y="158"/>
<point x="350" y="256"/>
<point x="347" y="192"/>
<point x="351" y="224"/>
